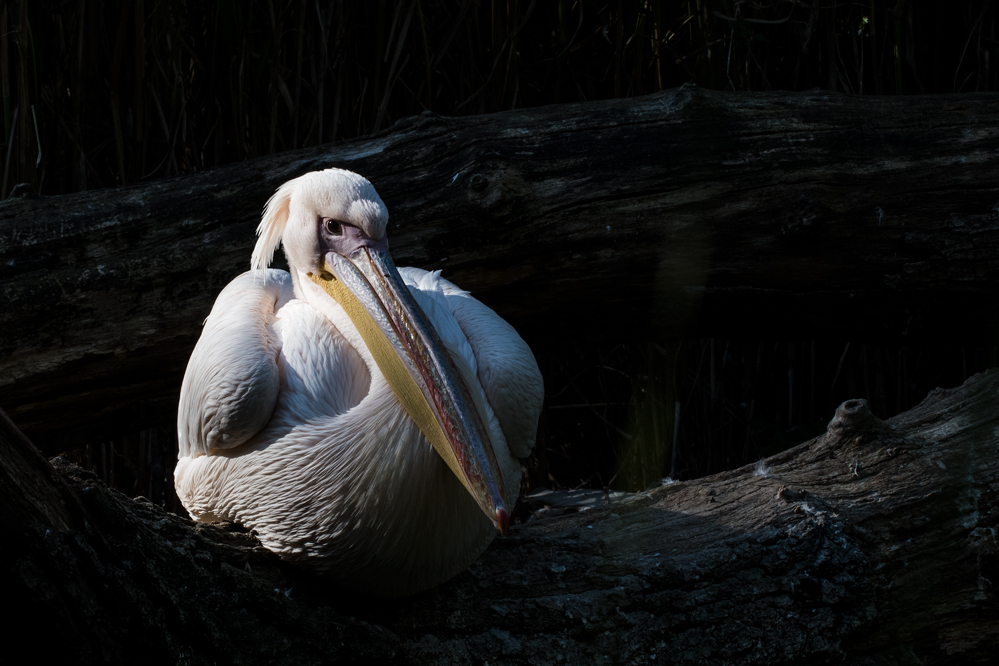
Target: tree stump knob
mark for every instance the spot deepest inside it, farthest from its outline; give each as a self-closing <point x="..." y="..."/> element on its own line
<point x="854" y="417"/>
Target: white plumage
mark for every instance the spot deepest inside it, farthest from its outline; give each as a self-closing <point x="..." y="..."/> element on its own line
<point x="288" y="426"/>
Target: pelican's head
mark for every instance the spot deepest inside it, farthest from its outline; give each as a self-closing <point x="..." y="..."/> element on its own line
<point x="332" y="224"/>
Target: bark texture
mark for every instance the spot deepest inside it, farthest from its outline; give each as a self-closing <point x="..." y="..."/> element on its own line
<point x="872" y="544"/>
<point x="781" y="215"/>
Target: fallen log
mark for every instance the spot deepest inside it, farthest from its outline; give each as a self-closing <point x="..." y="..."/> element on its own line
<point x="874" y="543"/>
<point x="690" y="212"/>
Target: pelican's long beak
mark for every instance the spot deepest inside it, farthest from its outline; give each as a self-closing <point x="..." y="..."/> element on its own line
<point x="422" y="374"/>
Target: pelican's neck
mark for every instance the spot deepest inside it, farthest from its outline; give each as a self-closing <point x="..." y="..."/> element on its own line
<point x="295" y="283"/>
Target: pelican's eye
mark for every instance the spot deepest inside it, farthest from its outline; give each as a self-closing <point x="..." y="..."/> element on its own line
<point x="332" y="226"/>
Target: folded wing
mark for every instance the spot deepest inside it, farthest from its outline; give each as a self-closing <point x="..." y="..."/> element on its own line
<point x="504" y="363"/>
<point x="232" y="380"/>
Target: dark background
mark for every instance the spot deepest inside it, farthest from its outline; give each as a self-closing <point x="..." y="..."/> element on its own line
<point x="100" y="94"/>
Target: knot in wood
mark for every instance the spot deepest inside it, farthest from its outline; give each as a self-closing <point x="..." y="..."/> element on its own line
<point x="854" y="417"/>
<point x="421" y="121"/>
<point x="500" y="193"/>
<point x="23" y="191"/>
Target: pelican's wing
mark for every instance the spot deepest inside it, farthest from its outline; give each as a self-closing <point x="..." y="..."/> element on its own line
<point x="503" y="362"/>
<point x="232" y="379"/>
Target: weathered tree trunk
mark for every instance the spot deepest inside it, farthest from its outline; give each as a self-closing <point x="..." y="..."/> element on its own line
<point x="775" y="215"/>
<point x="874" y="543"/>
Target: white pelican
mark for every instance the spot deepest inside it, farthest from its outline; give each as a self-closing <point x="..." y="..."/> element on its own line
<point x="364" y="421"/>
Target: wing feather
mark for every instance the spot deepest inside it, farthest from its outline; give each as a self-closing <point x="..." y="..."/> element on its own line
<point x="232" y="380"/>
<point x="503" y="362"/>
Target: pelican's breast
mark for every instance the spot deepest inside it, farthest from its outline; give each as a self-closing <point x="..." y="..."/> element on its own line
<point x="322" y="375"/>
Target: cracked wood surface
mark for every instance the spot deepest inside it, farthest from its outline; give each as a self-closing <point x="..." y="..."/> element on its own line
<point x="872" y="544"/>
<point x="780" y="215"/>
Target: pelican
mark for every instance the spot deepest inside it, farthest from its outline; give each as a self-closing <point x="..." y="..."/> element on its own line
<point x="365" y="421"/>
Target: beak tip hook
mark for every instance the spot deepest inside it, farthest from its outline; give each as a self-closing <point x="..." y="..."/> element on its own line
<point x="502" y="521"/>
